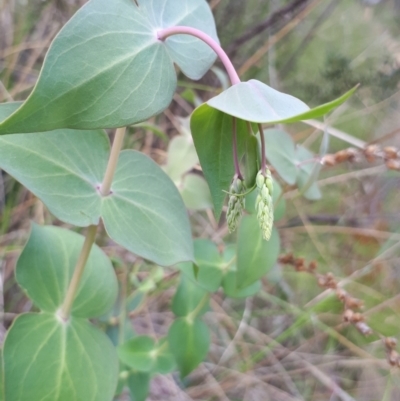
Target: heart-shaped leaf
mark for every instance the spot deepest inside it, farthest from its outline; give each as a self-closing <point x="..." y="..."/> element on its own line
<point x="212" y="135"/>
<point x="48" y="359"/>
<point x="255" y="256"/>
<point x="46" y="275"/>
<point x="107" y="67"/>
<point x="256" y="102"/>
<point x="189" y="341"/>
<point x="144" y="355"/>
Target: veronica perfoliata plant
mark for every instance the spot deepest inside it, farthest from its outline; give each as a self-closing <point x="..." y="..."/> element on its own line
<point x="113" y="66"/>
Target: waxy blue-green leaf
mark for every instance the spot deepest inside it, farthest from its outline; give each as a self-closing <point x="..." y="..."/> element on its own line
<point x="212" y="135"/>
<point x="51" y="360"/>
<point x="62" y="168"/>
<point x="144" y="355"/>
<point x="189" y="341"/>
<point x="259" y="103"/>
<point x="281" y="153"/>
<point x="255" y="256"/>
<point x="107" y="67"/>
<point x="45" y="275"/>
<point x="145" y="212"/>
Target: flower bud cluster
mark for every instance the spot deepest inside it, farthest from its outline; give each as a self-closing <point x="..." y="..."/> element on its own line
<point x="236" y="203"/>
<point x="264" y="203"/>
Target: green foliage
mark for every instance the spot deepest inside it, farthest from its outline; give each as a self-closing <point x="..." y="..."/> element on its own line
<point x="189" y="341"/>
<point x="107" y="68"/>
<point x="133" y="79"/>
<point x="256" y="102"/>
<point x="212" y="136"/>
<point x="46" y="358"/>
<point x="255" y="256"/>
<point x="144" y="355"/>
<point x="46" y="275"/>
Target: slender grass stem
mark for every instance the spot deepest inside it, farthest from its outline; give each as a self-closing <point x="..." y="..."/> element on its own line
<point x="179" y="30"/>
<point x="78" y="272"/>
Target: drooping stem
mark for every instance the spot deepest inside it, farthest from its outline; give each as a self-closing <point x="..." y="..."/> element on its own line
<point x="235" y="149"/>
<point x="112" y="161"/>
<point x="79" y="268"/>
<point x="178" y="30"/>
<point x="263" y="158"/>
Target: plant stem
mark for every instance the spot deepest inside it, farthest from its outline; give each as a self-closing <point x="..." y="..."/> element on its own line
<point x="235" y="150"/>
<point x="191" y="316"/>
<point x="178" y="30"/>
<point x="105" y="187"/>
<point x="79" y="268"/>
<point x="112" y="161"/>
<point x="263" y="159"/>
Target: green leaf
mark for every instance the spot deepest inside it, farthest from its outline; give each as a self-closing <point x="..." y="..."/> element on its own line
<point x="62" y="168"/>
<point x="306" y="177"/>
<point x="189" y="341"/>
<point x="144" y="355"/>
<point x="188" y="296"/>
<point x="182" y="157"/>
<point x="281" y="153"/>
<point x="51" y="360"/>
<point x="107" y="67"/>
<point x="139" y="385"/>
<point x="256" y="102"/>
<point x="229" y="283"/>
<point x="145" y="212"/>
<point x="209" y="263"/>
<point x="212" y="135"/>
<point x="231" y="289"/>
<point x="45" y="268"/>
<point x="255" y="256"/>
<point x="195" y="192"/>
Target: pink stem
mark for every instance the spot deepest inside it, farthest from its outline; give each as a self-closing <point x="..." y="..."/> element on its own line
<point x="263" y="159"/>
<point x="178" y="30"/>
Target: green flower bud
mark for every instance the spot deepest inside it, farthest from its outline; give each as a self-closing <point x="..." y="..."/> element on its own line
<point x="236" y="203"/>
<point x="264" y="203"/>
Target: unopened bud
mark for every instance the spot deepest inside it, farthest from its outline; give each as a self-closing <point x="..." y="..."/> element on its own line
<point x="236" y="203"/>
<point x="264" y="203"/>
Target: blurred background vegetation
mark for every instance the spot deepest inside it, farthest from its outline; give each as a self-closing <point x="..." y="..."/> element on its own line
<point x="289" y="342"/>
